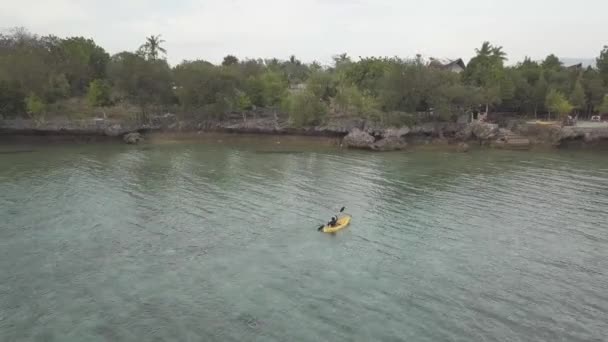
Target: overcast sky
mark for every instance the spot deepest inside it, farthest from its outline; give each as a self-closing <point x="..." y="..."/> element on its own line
<point x="319" y="29"/>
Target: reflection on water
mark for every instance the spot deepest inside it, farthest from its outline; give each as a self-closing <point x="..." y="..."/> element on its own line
<point x="218" y="241"/>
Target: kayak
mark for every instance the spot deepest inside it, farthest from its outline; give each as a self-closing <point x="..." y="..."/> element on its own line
<point x="342" y="223"/>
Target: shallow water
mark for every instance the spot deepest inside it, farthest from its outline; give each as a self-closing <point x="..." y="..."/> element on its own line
<point x="194" y="241"/>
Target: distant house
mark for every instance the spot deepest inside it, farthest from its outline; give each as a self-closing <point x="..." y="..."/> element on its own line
<point x="586" y="62"/>
<point x="575" y="67"/>
<point x="453" y="65"/>
<point x="298" y="87"/>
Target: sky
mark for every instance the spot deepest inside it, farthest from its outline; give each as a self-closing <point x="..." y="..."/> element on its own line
<point x="316" y="30"/>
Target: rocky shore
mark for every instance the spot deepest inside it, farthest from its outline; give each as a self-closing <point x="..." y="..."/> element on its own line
<point x="355" y="133"/>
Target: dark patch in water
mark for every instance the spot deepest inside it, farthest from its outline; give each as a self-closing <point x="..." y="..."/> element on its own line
<point x="278" y="152"/>
<point x="17" y="152"/>
<point x="250" y="320"/>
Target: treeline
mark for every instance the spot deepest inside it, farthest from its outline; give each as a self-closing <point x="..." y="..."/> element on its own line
<point x="42" y="76"/>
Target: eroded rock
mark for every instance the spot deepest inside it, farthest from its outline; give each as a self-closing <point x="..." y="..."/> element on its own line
<point x="391" y="143"/>
<point x="357" y="138"/>
<point x="132" y="138"/>
<point x="484" y="131"/>
<point x="463" y="147"/>
<point x="392" y="132"/>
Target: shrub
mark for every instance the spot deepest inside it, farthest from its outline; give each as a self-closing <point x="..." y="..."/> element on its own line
<point x="305" y="109"/>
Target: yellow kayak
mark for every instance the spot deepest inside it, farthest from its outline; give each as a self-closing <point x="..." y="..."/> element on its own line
<point x="342" y="223"/>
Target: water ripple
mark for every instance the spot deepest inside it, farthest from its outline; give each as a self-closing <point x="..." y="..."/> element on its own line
<point x="219" y="242"/>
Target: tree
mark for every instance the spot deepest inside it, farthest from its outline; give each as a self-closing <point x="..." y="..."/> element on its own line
<point x="305" y="109"/>
<point x="602" y="64"/>
<point x="497" y="53"/>
<point x="524" y="78"/>
<point x="529" y="70"/>
<point x="485" y="50"/>
<point x="517" y="91"/>
<point x="403" y="86"/>
<point x="12" y="99"/>
<point x="322" y="85"/>
<point x="242" y="101"/>
<point x="251" y="67"/>
<point x="539" y="94"/>
<point x="151" y="48"/>
<point x="367" y="74"/>
<point x="140" y="81"/>
<point x="98" y="94"/>
<point x="204" y="87"/>
<point x="577" y="97"/>
<point x="551" y="62"/>
<point x="507" y="85"/>
<point x="242" y="104"/>
<point x="27" y="62"/>
<point x="350" y="100"/>
<point x="230" y="60"/>
<point x="603" y="107"/>
<point x="39" y="74"/>
<point x="81" y="61"/>
<point x="564" y="108"/>
<point x="274" y="88"/>
<point x="36" y="107"/>
<point x="556" y="102"/>
<point x="341" y="60"/>
<point x="315" y="67"/>
<point x="594" y="88"/>
<point x="57" y="88"/>
<point x="295" y="71"/>
<point x="254" y="88"/>
<point x="486" y="70"/>
<point x="552" y="100"/>
<point x="273" y="64"/>
<point x="453" y="100"/>
<point x="490" y="95"/>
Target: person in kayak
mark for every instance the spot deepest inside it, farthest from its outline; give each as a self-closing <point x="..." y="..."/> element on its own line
<point x="333" y="221"/>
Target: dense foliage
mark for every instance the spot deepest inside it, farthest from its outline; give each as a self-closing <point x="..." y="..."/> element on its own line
<point x="40" y="76"/>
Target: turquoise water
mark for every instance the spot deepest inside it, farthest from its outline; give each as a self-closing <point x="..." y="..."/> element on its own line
<point x="217" y="241"/>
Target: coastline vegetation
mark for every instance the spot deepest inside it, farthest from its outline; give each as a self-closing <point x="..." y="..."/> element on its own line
<point x="47" y="76"/>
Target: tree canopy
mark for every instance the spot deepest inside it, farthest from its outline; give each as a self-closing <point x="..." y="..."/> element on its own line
<point x="39" y="75"/>
<point x="603" y="107"/>
<point x="557" y="103"/>
<point x="152" y="48"/>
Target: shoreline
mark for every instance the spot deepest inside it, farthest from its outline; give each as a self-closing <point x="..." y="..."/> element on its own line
<point x="275" y="143"/>
<point x="344" y="132"/>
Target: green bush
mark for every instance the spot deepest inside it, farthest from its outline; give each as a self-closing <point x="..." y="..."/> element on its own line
<point x="322" y="85"/>
<point x="35" y="106"/>
<point x="603" y="108"/>
<point x="556" y="102"/>
<point x="242" y="102"/>
<point x="350" y="100"/>
<point x="12" y="100"/>
<point x="305" y="109"/>
<point x="98" y="94"/>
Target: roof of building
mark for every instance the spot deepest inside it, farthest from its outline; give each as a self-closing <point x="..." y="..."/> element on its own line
<point x="575" y="66"/>
<point x="447" y="63"/>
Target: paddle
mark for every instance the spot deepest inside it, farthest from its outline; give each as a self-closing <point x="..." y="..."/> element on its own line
<point x="322" y="226"/>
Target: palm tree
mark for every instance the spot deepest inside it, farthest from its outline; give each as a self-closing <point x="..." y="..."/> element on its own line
<point x="485" y="50"/>
<point x="498" y="53"/>
<point x="294" y="60"/>
<point x="488" y="50"/>
<point x="151" y="47"/>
